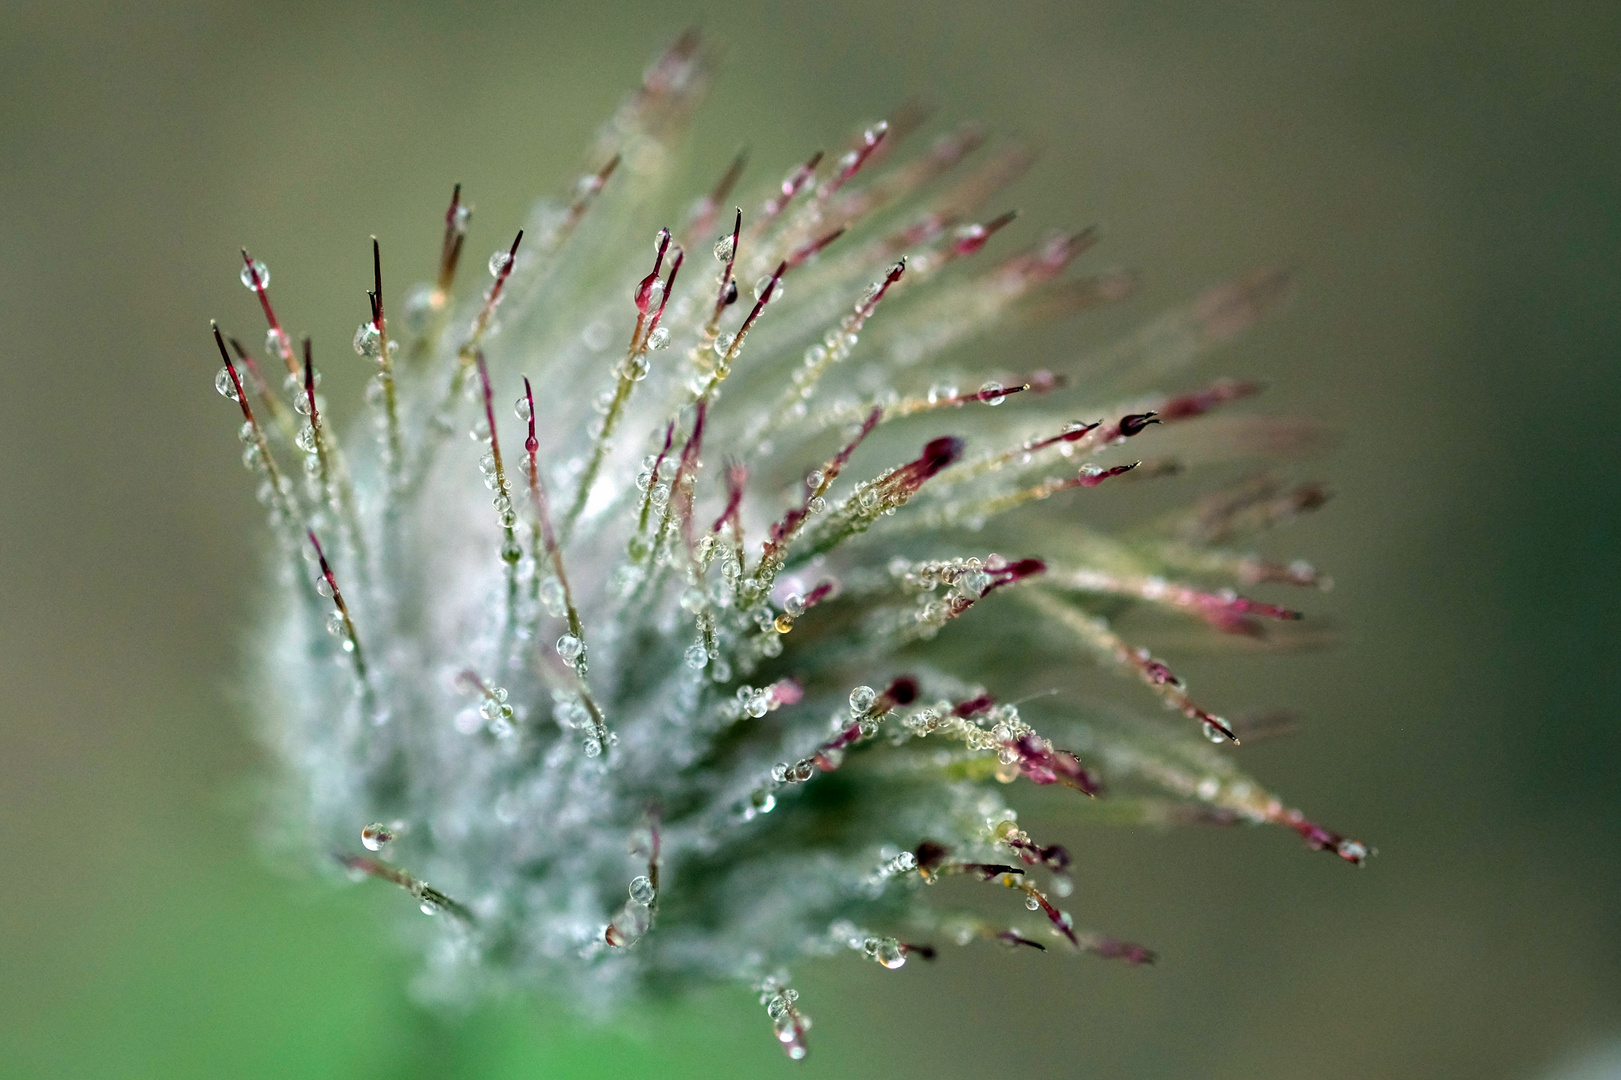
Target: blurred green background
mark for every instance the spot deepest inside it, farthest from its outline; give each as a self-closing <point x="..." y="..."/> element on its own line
<point x="1447" y="177"/>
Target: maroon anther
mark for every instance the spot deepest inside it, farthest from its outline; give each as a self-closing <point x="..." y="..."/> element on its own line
<point x="531" y="444"/>
<point x="1041" y="764"/>
<point x="930" y="854"/>
<point x="823" y="591"/>
<point x="1159" y="674"/>
<point x="1213" y="721"/>
<point x="1320" y="839"/>
<point x="1134" y="423"/>
<point x="973" y="706"/>
<point x="1110" y="949"/>
<point x="1013" y="938"/>
<point x="1202" y="401"/>
<point x="1014" y="572"/>
<point x="937" y="455"/>
<point x="1074" y="433"/>
<point x="1053" y="856"/>
<point x="728" y="284"/>
<point x="236" y="381"/>
<point x="927" y="952"/>
<point x="1090" y="480"/>
<point x="974" y="237"/>
<point x="644" y="291"/>
<point x="903" y="691"/>
<point x="309" y="385"/>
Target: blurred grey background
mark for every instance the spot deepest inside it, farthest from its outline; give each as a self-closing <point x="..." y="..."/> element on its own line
<point x="1447" y="179"/>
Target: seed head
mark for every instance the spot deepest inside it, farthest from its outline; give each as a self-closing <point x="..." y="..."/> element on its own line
<point x="620" y="701"/>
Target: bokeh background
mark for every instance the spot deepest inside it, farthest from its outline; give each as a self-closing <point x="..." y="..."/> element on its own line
<point x="1447" y="179"/>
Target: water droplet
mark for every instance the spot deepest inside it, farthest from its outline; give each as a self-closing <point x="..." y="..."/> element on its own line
<point x="306" y="439"/>
<point x="368" y="342"/>
<point x="521" y="407"/>
<point x="569" y="647"/>
<point x="1353" y="851"/>
<point x="817" y="505"/>
<point x="592" y="748"/>
<point x="428" y="907"/>
<point x="1032" y="903"/>
<point x="696" y="656"/>
<point x="273" y="341"/>
<point x="722" y="344"/>
<point x="247" y="275"/>
<point x="861" y="699"/>
<point x="498" y="262"/>
<point x="376" y="836"/>
<point x="763" y="284"/>
<point x="724" y="249"/>
<point x="641" y="890"/>
<point x="889" y="953"/>
<point x="223" y="383"/>
<point x="334" y="623"/>
<point x="991" y="393"/>
<point x="635" y="368"/>
<point x="1214" y="733"/>
<point x="659" y="338"/>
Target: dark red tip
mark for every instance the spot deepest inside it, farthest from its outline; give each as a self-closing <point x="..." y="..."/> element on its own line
<point x="973" y="706"/>
<point x="930" y="854"/>
<point x="903" y="691"/>
<point x="1134" y="423"/>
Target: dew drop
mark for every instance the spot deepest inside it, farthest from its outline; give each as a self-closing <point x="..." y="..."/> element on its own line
<point x="376" y="836"/>
<point x="724" y="249"/>
<point x="1032" y="903"/>
<point x="659" y="338"/>
<point x="697" y="656"/>
<point x="641" y="890"/>
<point x="991" y="393"/>
<point x="306" y="439"/>
<point x="861" y="699"/>
<point x="223" y="383"/>
<point x="569" y="647"/>
<point x="592" y="748"/>
<point x="334" y="623"/>
<point x="498" y="262"/>
<point x="521" y="407"/>
<point x="368" y="342"/>
<point x="722" y="344"/>
<point x="260" y="269"/>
